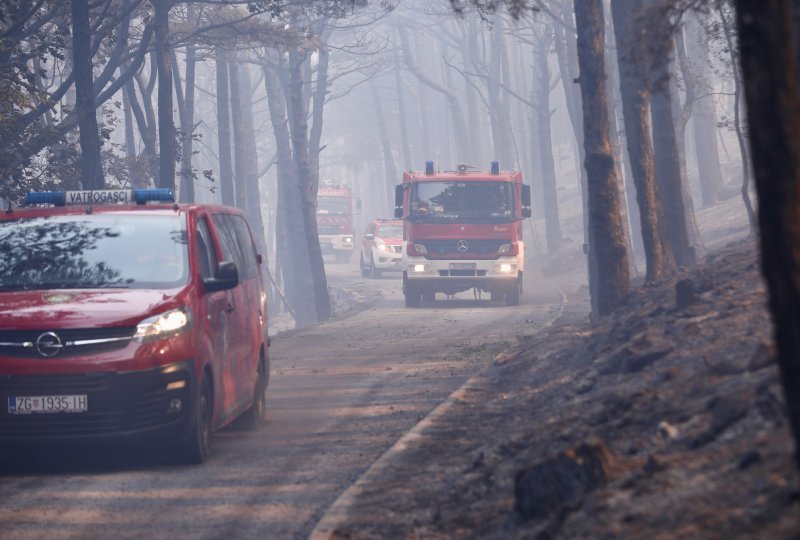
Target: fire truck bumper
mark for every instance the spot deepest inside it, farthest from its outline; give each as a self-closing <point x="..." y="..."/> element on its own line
<point x="451" y="276"/>
<point x="336" y="242"/>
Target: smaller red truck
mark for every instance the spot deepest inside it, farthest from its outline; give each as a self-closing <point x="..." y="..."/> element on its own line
<point x="335" y="221"/>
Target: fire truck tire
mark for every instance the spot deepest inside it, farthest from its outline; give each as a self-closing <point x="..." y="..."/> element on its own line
<point x="429" y="296"/>
<point x="496" y="296"/>
<point x="512" y="296"/>
<point x="198" y="446"/>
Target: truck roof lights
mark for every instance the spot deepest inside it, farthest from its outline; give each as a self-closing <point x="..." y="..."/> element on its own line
<point x="100" y="196"/>
<point x="495" y="167"/>
<point x="429" y="167"/>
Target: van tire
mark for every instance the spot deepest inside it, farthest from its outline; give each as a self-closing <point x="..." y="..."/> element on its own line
<point x="197" y="448"/>
<point x="256" y="416"/>
<point x="363" y="266"/>
<point x="374" y="273"/>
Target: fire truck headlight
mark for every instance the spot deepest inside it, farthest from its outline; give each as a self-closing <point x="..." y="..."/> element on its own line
<point x="419" y="268"/>
<point x="506" y="268"/>
<point x="348" y="239"/>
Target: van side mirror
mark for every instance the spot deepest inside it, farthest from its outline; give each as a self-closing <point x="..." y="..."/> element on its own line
<point x="369" y="236"/>
<point x="226" y="277"/>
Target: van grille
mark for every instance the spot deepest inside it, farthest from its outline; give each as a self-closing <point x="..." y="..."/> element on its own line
<point x="11" y="341"/>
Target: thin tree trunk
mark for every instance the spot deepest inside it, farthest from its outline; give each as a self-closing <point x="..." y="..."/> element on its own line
<point x="239" y="166"/>
<point x="91" y="163"/>
<point x="389" y="168"/>
<point x="401" y="105"/>
<point x="770" y="75"/>
<point x="606" y="226"/>
<point x="186" y="114"/>
<point x="224" y="128"/>
<point x="166" y="123"/>
<point x="640" y="150"/>
<point x="302" y="164"/>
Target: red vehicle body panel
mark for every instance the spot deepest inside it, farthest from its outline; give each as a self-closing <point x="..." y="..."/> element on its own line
<point x="226" y="339"/>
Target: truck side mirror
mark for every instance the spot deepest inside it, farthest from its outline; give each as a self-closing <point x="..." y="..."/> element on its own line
<point x="526" y="195"/>
<point x="398" y="212"/>
<point x="526" y="212"/>
<point x="398" y="196"/>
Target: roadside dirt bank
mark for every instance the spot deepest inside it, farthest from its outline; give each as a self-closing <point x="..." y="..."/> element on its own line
<point x="664" y="420"/>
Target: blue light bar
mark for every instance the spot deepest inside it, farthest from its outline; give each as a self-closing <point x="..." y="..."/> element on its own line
<point x="495" y="167"/>
<point x="429" y="167"/>
<point x="141" y="196"/>
<point x="57" y="198"/>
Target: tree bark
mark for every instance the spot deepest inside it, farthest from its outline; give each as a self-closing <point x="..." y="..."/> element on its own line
<point x="770" y="75"/>
<point x="224" y="128"/>
<point x="185" y="98"/>
<point x="91" y="163"/>
<point x="389" y="168"/>
<point x="552" y="224"/>
<point x="635" y="101"/>
<point x="166" y="123"/>
<point x="239" y="166"/>
<point x="606" y="226"/>
<point x="302" y="165"/>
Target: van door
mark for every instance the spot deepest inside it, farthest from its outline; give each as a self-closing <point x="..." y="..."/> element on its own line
<point x="243" y="312"/>
<point x="215" y="324"/>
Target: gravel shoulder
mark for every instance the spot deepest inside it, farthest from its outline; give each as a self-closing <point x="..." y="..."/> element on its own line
<point x="663" y="420"/>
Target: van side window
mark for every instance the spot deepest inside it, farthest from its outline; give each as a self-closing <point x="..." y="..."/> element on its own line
<point x="237" y="246"/>
<point x="206" y="254"/>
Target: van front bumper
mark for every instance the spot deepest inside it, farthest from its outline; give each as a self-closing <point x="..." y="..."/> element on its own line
<point x="153" y="404"/>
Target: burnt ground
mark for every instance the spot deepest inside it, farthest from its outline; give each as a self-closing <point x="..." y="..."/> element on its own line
<point x="664" y="420"/>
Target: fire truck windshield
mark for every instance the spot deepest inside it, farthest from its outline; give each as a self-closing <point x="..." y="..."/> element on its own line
<point x="462" y="202"/>
<point x="93" y="251"/>
<point x="333" y="205"/>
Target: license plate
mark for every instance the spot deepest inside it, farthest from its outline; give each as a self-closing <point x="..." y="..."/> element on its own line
<point x="47" y="404"/>
<point x="462" y="266"/>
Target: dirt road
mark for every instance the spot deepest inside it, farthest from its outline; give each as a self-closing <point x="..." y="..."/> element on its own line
<point x="341" y="394"/>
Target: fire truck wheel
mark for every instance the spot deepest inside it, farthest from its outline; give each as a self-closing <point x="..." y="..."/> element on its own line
<point x="496" y="296"/>
<point x="374" y="273"/>
<point x="512" y="297"/>
<point x="429" y="296"/>
<point x="198" y="447"/>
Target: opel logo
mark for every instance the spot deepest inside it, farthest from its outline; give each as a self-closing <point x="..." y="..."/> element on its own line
<point x="48" y="344"/>
<point x="462" y="246"/>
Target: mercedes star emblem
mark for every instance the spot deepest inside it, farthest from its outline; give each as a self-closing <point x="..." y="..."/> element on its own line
<point x="462" y="246"/>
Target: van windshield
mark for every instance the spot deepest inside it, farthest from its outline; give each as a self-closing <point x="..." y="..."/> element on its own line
<point x="93" y="251"/>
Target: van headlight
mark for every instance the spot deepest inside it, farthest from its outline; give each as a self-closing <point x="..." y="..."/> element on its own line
<point x="161" y="326"/>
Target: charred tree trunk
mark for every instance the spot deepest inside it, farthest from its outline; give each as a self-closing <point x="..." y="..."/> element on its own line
<point x="770" y="75"/>
<point x="670" y="170"/>
<point x="633" y="91"/>
<point x="302" y="164"/>
<point x="91" y="163"/>
<point x="291" y="255"/>
<point x="389" y="168"/>
<point x="239" y="167"/>
<point x="166" y="123"/>
<point x="606" y="226"/>
<point x="401" y="105"/>
<point x="224" y="129"/>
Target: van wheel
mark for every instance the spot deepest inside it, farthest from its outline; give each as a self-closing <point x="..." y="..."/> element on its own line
<point x="363" y="266"/>
<point x="197" y="448"/>
<point x="255" y="417"/>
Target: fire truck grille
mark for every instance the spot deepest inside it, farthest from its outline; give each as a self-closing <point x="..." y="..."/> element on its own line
<point x="475" y="249"/>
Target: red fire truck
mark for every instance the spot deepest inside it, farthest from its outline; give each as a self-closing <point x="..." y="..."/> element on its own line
<point x="463" y="230"/>
<point x="335" y="221"/>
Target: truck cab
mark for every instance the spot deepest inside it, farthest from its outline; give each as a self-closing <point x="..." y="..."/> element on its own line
<point x="462" y="230"/>
<point x="335" y="221"/>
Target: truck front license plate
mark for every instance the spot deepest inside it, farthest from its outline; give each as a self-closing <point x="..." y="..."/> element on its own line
<point x="462" y="266"/>
<point x="48" y="404"/>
